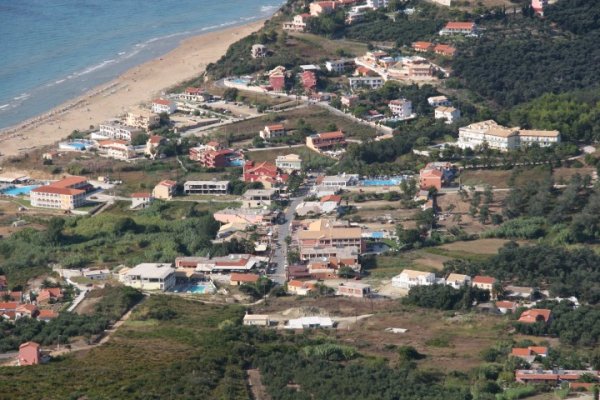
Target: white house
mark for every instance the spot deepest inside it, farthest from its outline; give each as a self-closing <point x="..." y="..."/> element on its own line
<point x="163" y="106"/>
<point x="401" y="108"/>
<point x="458" y="281"/>
<point x="206" y="187"/>
<point x="289" y="163"/>
<point x="141" y="200"/>
<point x="338" y="66"/>
<point x="150" y="276"/>
<point x="371" y="82"/>
<point x="410" y="278"/>
<point x="339" y="181"/>
<point x="95" y="274"/>
<point x="117" y="130"/>
<point x="256" y="320"/>
<point x="309" y="322"/>
<point x="273" y="131"/>
<point x="436" y="101"/>
<point x="450" y="114"/>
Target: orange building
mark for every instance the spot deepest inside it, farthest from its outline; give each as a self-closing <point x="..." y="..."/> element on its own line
<point x="29" y="353"/>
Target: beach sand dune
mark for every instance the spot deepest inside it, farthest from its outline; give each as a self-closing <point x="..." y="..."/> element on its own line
<point x="138" y="85"/>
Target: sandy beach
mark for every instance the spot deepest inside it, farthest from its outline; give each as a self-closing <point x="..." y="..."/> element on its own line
<point x="138" y="85"/>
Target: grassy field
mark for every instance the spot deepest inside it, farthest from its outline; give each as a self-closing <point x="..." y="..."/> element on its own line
<point x="312" y="115"/>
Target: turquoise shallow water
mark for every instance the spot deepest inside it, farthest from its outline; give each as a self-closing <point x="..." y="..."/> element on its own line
<point x="54" y="50"/>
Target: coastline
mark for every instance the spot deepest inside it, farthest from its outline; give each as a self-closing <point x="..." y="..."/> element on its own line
<point x="137" y="85"/>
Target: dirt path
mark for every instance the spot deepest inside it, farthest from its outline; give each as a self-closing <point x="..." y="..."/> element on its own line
<point x="258" y="390"/>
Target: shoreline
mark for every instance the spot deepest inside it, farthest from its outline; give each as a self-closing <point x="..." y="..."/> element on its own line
<point x="135" y="86"/>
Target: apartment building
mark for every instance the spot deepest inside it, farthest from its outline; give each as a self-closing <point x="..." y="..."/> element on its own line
<point x="450" y="114"/>
<point x="326" y="141"/>
<point x="142" y="118"/>
<point x="324" y="233"/>
<point x="401" y="108"/>
<point x="163" y="106"/>
<point x="256" y="198"/>
<point x="501" y="138"/>
<point x="459" y="28"/>
<point x="117" y="130"/>
<point x="370" y="82"/>
<point x="298" y="24"/>
<point x="66" y="194"/>
<point x="117" y="149"/>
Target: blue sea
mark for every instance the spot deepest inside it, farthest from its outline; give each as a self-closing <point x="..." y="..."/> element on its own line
<point x="54" y="50"/>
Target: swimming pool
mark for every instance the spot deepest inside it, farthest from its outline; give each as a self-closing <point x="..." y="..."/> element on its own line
<point x="19" y="190"/>
<point x="382" y="182"/>
<point x="236" y="162"/>
<point x="195" y="288"/>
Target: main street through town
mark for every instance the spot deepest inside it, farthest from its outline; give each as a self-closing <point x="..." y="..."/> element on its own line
<point x="279" y="259"/>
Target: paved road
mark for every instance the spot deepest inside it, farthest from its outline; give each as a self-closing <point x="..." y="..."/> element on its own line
<point x="280" y="253"/>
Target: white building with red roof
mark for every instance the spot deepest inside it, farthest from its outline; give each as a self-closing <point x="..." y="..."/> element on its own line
<point x="164" y="190"/>
<point x="273" y="131"/>
<point x="459" y="28"/>
<point x="163" y="106"/>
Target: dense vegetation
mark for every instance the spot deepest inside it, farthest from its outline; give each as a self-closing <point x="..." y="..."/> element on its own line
<point x="444" y="297"/>
<point x="203" y="351"/>
<point x="114" y="303"/>
<point x="574" y="326"/>
<point x="564" y="272"/>
<point x="158" y="234"/>
<point x="504" y="64"/>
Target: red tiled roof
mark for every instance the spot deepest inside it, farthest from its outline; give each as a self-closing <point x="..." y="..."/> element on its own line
<point x="422" y="45"/>
<point x="531" y="316"/>
<point x="277" y="127"/>
<point x="162" y="101"/>
<point x="29" y="344"/>
<point x="58" y="190"/>
<point x="331" y="197"/>
<point x="331" y="135"/>
<point x="444" y="49"/>
<point x="520" y="352"/>
<point x="460" y="25"/>
<point x="539" y="349"/>
<point x="69" y="181"/>
<point x="237" y="277"/>
<point x="141" y="195"/>
<point x="47" y="314"/>
<point x="155" y="139"/>
<point x="213" y="143"/>
<point x="432" y="172"/>
<point x="484" y="279"/>
<point x="168" y="183"/>
<point x="10" y="305"/>
<point x="505" y="304"/>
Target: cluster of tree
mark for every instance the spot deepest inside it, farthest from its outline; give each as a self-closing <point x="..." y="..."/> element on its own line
<point x="575" y="114"/>
<point x="564" y="272"/>
<point x="574" y="326"/>
<point x="114" y="303"/>
<point x="500" y="65"/>
<point x="161" y="233"/>
<point x="445" y="297"/>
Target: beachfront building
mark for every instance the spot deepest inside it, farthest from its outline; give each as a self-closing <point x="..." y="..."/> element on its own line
<point x="165" y="190"/>
<point x="326" y="141"/>
<point x="401" y="108"/>
<point x="150" y="276"/>
<point x="117" y="130"/>
<point x="501" y="138"/>
<point x="66" y="194"/>
<point x="117" y="149"/>
<point x="258" y="51"/>
<point x="142" y="118"/>
<point x="163" y="106"/>
<point x="206" y="187"/>
<point x="362" y="82"/>
<point x="289" y="163"/>
<point x="450" y="114"/>
<point x="273" y="131"/>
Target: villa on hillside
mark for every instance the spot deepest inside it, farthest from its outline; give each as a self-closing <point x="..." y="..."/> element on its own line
<point x="326" y="141"/>
<point x="289" y="163"/>
<point x="298" y="24"/>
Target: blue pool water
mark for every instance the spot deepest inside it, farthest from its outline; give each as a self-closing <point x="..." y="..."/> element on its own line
<point x="19" y="190"/>
<point x="194" y="288"/>
<point x="236" y="163"/>
<point x="382" y="182"/>
<point x="77" y="146"/>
